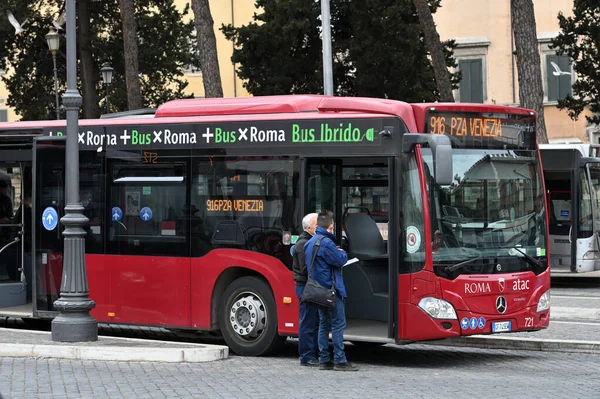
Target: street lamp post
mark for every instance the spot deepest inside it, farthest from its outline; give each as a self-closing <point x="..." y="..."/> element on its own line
<point x="74" y="322"/>
<point x="107" y="73"/>
<point x="53" y="39"/>
<point x="327" y="55"/>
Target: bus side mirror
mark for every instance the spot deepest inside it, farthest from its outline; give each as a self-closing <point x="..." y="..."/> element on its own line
<point x="441" y="148"/>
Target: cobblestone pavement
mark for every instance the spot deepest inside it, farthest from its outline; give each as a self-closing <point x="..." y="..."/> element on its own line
<point x="413" y="371"/>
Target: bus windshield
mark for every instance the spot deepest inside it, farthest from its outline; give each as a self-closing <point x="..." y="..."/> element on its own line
<point x="490" y="219"/>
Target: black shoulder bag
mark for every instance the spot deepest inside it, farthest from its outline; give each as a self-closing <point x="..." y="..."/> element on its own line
<point x="315" y="293"/>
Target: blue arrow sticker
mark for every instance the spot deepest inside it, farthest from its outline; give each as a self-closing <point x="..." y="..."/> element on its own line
<point x="49" y="218"/>
<point x="481" y="323"/>
<point x="464" y="323"/>
<point x="473" y="323"/>
<point x="146" y="214"/>
<point x="117" y="214"/>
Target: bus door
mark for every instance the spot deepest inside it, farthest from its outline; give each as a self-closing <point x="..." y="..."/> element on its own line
<point x="15" y="233"/>
<point x="593" y="170"/>
<point x="361" y="215"/>
<point x="48" y="206"/>
<point x="559" y="202"/>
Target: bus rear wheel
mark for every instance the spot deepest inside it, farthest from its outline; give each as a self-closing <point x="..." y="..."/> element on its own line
<point x="248" y="318"/>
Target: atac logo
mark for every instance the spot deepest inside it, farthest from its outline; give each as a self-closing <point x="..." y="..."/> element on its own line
<point x="501" y="284"/>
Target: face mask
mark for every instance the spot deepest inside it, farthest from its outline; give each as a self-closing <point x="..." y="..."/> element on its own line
<point x="85" y="203"/>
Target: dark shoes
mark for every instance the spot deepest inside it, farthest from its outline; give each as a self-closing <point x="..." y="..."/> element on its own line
<point x="338" y="367"/>
<point x="326" y="366"/>
<point x="310" y="363"/>
<point x="345" y="367"/>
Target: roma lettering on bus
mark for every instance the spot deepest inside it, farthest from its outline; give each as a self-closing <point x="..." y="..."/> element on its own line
<point x="179" y="137"/>
<point x="477" y="288"/>
<point x="95" y="139"/>
<point x="269" y="135"/>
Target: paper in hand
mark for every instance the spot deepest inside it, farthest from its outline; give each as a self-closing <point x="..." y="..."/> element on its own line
<point x="351" y="261"/>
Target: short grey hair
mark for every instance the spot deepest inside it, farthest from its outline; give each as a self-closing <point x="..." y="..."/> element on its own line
<point x="306" y="220"/>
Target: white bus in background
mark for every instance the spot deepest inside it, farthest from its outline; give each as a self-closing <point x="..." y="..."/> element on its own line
<point x="572" y="179"/>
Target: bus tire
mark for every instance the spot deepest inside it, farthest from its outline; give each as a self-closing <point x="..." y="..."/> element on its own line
<point x="248" y="318"/>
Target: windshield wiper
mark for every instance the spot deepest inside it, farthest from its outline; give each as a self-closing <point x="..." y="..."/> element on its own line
<point x="453" y="268"/>
<point x="531" y="260"/>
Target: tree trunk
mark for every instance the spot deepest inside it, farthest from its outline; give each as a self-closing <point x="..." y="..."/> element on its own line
<point x="531" y="91"/>
<point x="207" y="44"/>
<point x="89" y="75"/>
<point x="130" y="47"/>
<point x="434" y="46"/>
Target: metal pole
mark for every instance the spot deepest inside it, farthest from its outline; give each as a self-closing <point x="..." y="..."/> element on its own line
<point x="107" y="93"/>
<point x="74" y="322"/>
<point x="327" y="57"/>
<point x="56" y="85"/>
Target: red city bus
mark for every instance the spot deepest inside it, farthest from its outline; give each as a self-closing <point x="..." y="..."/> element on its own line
<point x="193" y="212"/>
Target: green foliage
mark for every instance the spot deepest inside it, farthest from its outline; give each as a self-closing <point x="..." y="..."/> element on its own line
<point x="579" y="38"/>
<point x="165" y="44"/>
<point x="378" y="48"/>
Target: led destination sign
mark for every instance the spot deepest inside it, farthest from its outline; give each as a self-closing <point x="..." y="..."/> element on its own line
<point x="465" y="126"/>
<point x="487" y="129"/>
<point x="231" y="134"/>
<point x="225" y="205"/>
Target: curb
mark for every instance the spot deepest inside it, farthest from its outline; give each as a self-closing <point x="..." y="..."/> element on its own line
<point x="542" y="345"/>
<point x="190" y="353"/>
<point x="114" y="353"/>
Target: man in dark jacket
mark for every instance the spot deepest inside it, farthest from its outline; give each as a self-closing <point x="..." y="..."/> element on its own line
<point x="328" y="263"/>
<point x="308" y="327"/>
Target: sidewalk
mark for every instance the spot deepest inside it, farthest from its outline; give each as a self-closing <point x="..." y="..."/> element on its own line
<point x="28" y="343"/>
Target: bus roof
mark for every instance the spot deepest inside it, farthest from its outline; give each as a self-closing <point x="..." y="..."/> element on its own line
<point x="238" y="108"/>
<point x="288" y="104"/>
<point x="421" y="108"/>
<point x="586" y="150"/>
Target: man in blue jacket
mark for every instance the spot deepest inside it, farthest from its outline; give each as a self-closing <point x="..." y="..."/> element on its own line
<point x="329" y="261"/>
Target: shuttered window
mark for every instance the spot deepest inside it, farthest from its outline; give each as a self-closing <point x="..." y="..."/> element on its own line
<point x="471" y="85"/>
<point x="558" y="71"/>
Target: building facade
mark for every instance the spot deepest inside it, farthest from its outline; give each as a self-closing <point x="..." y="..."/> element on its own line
<point x="485" y="45"/>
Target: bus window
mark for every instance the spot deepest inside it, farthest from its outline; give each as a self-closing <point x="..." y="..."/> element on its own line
<point x="412" y="239"/>
<point x="595" y="182"/>
<point x="148" y="204"/>
<point x="322" y="187"/>
<point x="585" y="208"/>
<point x="91" y="182"/>
<point x="560" y="212"/>
<point x="253" y="203"/>
<point x="365" y="189"/>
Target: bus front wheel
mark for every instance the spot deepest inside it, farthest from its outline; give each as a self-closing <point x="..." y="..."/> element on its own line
<point x="248" y="318"/>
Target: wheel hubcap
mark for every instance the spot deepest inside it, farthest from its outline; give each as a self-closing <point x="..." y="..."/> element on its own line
<point x="248" y="316"/>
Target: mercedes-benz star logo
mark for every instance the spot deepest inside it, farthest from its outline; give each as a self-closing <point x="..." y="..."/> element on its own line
<point x="501" y="284"/>
<point x="501" y="304"/>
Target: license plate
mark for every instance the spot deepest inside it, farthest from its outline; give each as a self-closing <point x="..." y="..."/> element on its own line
<point x="501" y="326"/>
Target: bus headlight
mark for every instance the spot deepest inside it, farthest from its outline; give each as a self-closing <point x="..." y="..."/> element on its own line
<point x="544" y="302"/>
<point x="590" y="255"/>
<point x="438" y="308"/>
